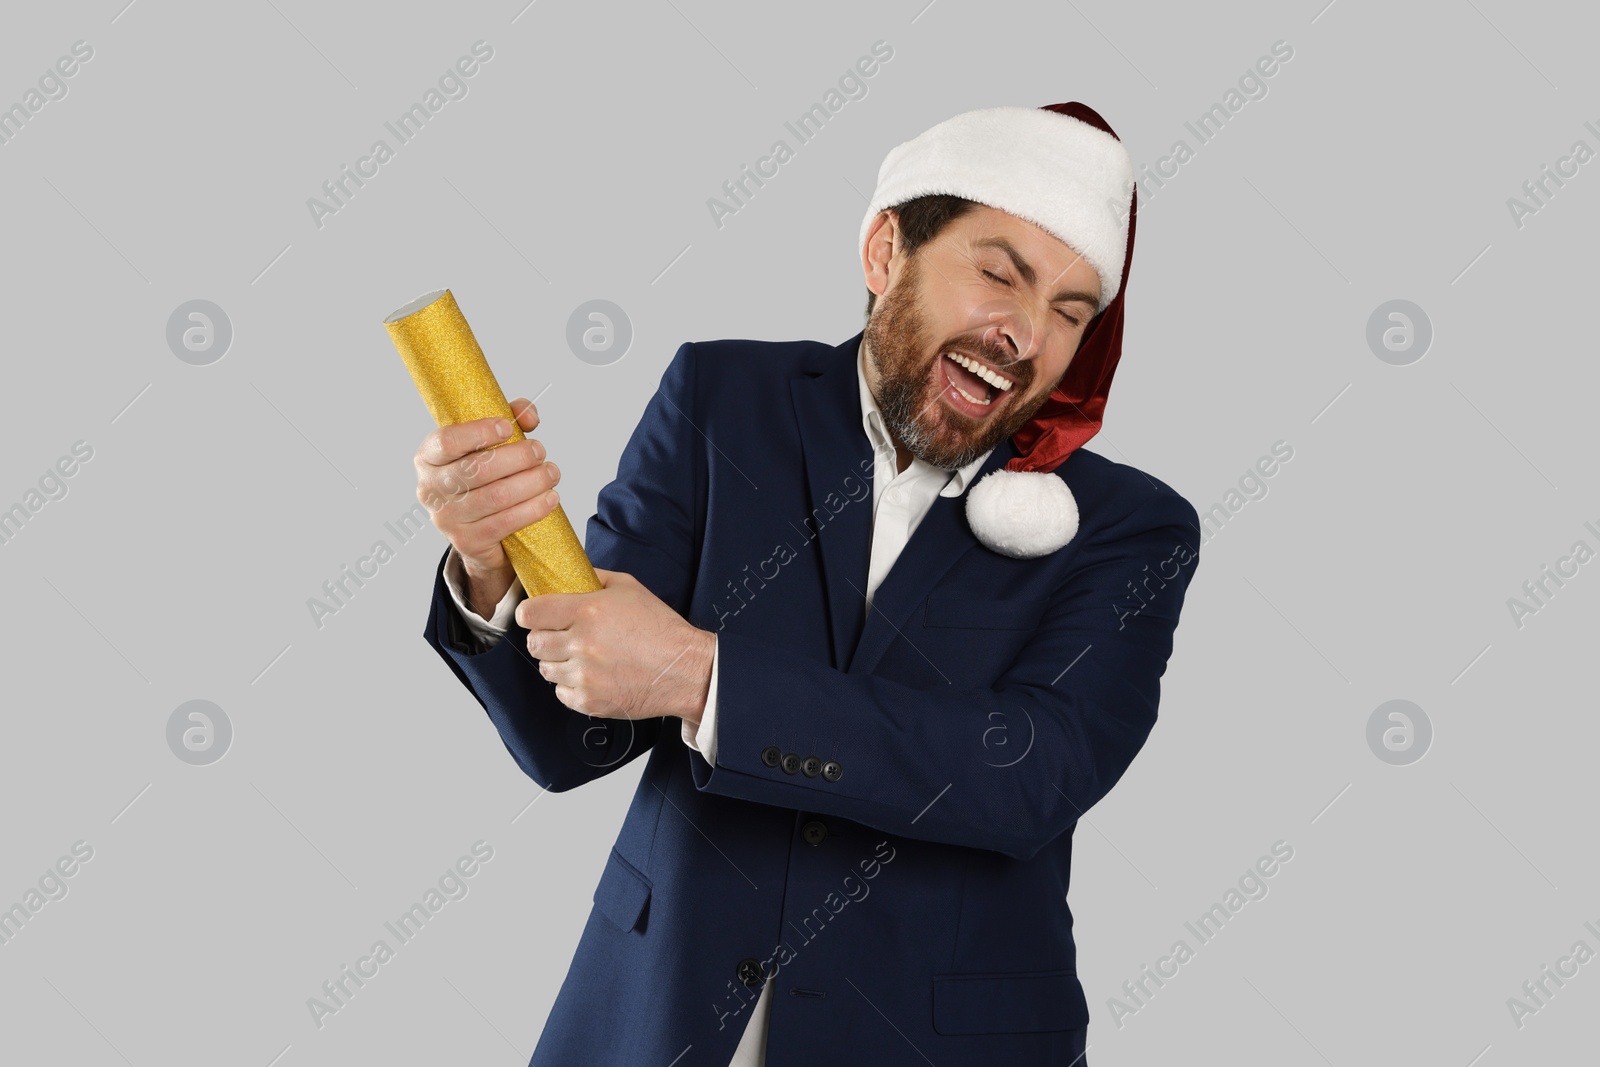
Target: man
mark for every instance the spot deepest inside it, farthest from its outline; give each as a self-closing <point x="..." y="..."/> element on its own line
<point x="875" y="701"/>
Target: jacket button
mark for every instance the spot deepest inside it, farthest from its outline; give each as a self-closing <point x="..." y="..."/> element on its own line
<point x="811" y="766"/>
<point x="749" y="971"/>
<point x="814" y="832"/>
<point x="771" y="755"/>
<point x="833" y="770"/>
<point x="791" y="763"/>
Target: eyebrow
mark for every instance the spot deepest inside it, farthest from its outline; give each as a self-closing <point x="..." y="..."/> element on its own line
<point x="1028" y="275"/>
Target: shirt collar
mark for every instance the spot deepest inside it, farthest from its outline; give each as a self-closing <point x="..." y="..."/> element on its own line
<point x="872" y="424"/>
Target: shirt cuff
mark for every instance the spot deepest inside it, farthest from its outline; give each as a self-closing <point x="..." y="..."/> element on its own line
<point x="704" y="739"/>
<point x="486" y="632"/>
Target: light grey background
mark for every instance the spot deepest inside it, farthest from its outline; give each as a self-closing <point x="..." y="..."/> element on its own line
<point x="219" y="498"/>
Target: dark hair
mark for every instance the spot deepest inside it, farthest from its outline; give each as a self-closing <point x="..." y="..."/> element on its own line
<point x="921" y="220"/>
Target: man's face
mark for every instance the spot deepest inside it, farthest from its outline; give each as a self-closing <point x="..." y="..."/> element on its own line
<point x="967" y="292"/>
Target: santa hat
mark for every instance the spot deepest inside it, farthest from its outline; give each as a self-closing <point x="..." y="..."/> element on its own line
<point x="1064" y="169"/>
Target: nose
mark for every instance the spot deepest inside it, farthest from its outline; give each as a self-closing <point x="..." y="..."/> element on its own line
<point x="1011" y="334"/>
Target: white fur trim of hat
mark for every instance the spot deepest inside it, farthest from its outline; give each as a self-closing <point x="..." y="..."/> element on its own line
<point x="1067" y="177"/>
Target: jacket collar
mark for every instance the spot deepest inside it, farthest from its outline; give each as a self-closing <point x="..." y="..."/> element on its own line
<point x="827" y="402"/>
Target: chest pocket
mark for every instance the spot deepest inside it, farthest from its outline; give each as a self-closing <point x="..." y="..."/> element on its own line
<point x="958" y="610"/>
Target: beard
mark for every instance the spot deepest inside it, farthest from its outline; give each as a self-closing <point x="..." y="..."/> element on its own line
<point x="911" y="379"/>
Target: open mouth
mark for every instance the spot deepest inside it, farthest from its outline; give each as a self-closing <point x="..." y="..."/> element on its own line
<point x="972" y="386"/>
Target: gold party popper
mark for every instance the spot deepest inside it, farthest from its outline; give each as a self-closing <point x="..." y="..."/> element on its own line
<point x="457" y="385"/>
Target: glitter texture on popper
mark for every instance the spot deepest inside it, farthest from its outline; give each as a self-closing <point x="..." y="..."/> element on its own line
<point x="457" y="385"/>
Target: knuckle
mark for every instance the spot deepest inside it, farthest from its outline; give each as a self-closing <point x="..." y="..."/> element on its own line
<point x="466" y="472"/>
<point x="492" y="496"/>
<point x="469" y="467"/>
<point x="445" y="487"/>
<point x="440" y="445"/>
<point x="429" y="496"/>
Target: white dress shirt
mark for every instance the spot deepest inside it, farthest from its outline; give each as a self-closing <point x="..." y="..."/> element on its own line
<point x="899" y="501"/>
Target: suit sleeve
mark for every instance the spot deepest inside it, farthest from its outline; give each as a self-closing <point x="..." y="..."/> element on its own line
<point x="646" y="524"/>
<point x="483" y="632"/>
<point x="1073" y="709"/>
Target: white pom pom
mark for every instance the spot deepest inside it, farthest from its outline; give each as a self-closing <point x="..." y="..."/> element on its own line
<point x="1022" y="514"/>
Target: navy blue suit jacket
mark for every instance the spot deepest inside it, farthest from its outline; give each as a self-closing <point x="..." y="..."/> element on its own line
<point x="888" y="827"/>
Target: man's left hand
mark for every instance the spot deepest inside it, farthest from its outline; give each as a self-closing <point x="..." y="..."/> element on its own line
<point x="620" y="652"/>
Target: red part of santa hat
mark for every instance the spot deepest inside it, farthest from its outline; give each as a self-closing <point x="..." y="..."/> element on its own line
<point x="1072" y="414"/>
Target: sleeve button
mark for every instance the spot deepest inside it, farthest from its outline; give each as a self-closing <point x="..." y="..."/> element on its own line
<point x="749" y="971"/>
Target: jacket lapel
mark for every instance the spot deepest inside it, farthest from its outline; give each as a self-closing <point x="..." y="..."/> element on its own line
<point x="827" y="404"/>
<point x="940" y="540"/>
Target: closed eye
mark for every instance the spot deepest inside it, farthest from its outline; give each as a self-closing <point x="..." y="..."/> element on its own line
<point x="1002" y="281"/>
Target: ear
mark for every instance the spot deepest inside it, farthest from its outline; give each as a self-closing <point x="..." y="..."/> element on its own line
<point x="882" y="246"/>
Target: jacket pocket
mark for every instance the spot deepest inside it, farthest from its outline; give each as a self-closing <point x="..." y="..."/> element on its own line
<point x="1015" y="613"/>
<point x="622" y="893"/>
<point x="1010" y="1003"/>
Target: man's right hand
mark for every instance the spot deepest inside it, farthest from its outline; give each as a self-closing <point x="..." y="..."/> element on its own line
<point x="477" y="495"/>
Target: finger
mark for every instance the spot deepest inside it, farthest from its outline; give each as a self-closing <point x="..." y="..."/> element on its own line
<point x="515" y="490"/>
<point x="440" y="487"/>
<point x="527" y="415"/>
<point x="568" y="696"/>
<point x="483" y="468"/>
<point x="551" y="663"/>
<point x="552" y="666"/>
<point x="449" y="443"/>
<point x="548" y="611"/>
<point x="477" y="537"/>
